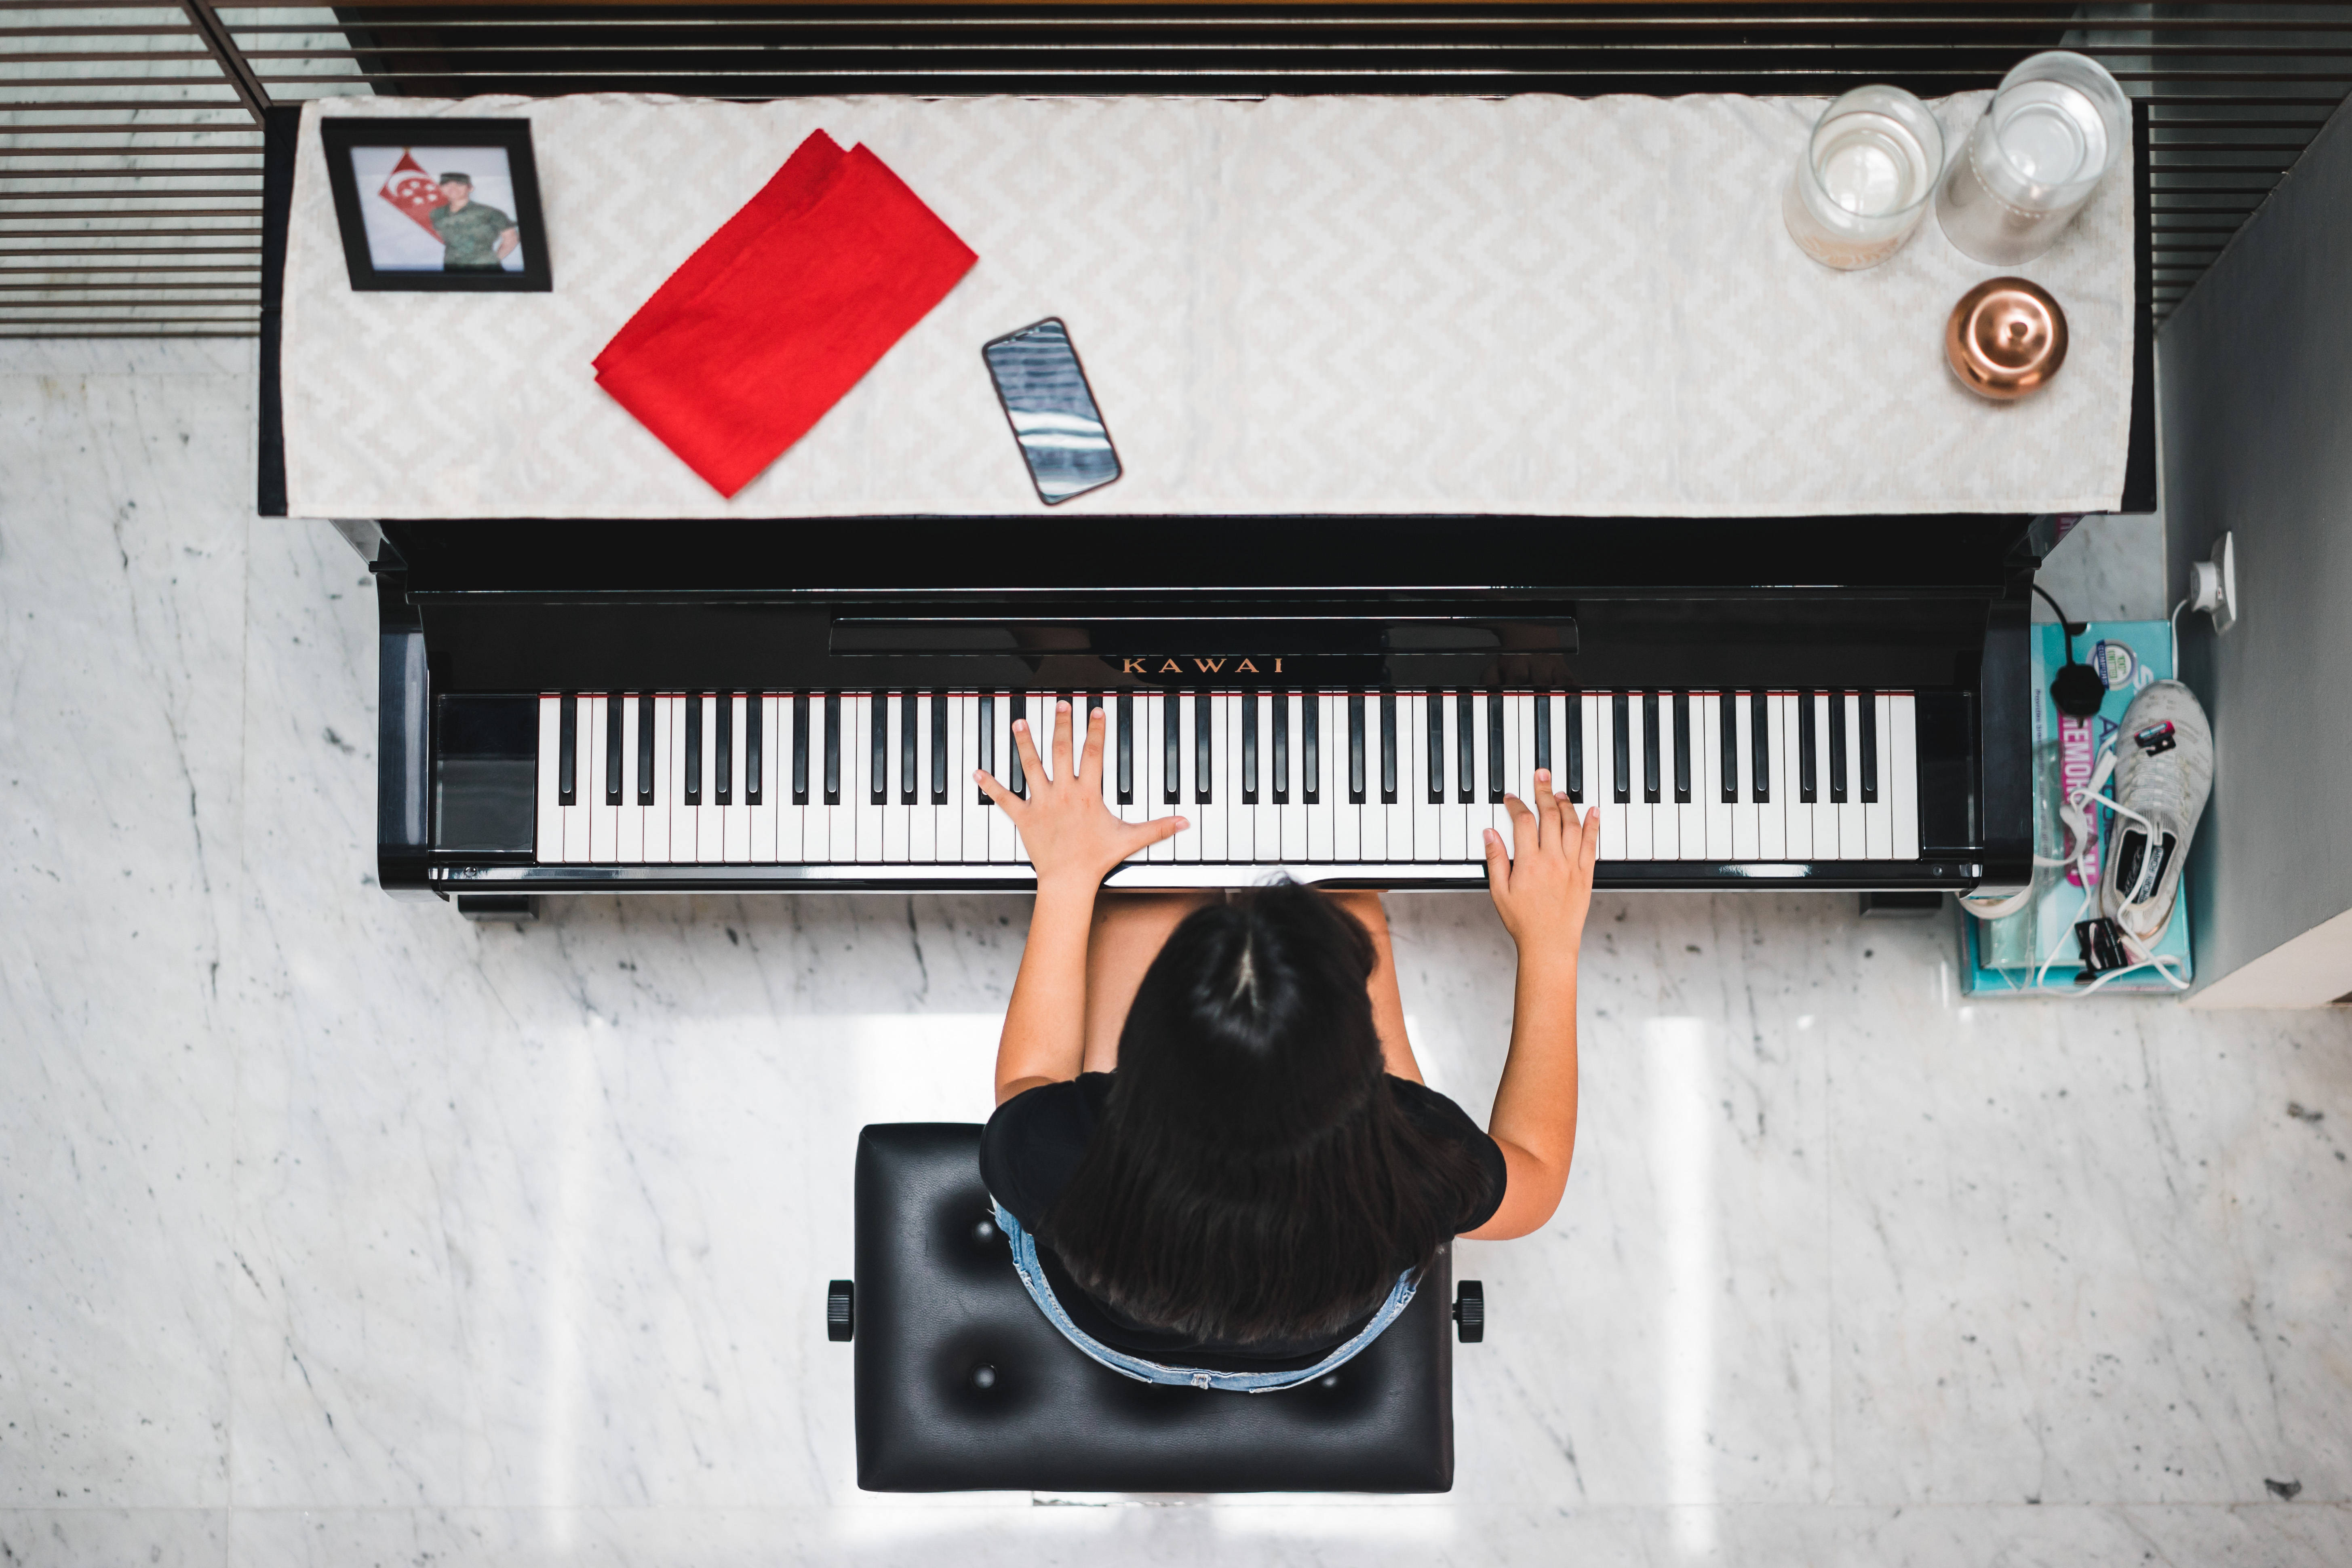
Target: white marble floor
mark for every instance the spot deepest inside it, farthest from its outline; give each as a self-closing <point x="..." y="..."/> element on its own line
<point x="336" y="1231"/>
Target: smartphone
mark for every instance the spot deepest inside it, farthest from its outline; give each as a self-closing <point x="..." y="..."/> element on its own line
<point x="1052" y="410"/>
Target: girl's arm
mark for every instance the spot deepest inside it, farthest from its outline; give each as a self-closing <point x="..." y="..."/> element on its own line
<point x="1542" y="892"/>
<point x="1074" y="842"/>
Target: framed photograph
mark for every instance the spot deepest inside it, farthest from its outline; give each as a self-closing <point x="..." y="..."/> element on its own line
<point x="438" y="205"/>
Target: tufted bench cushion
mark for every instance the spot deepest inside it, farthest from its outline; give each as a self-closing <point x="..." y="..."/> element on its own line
<point x="963" y="1385"/>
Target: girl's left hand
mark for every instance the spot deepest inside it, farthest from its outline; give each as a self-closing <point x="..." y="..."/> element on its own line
<point x="1068" y="831"/>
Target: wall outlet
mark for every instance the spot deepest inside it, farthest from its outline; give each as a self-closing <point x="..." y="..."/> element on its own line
<point x="2213" y="585"/>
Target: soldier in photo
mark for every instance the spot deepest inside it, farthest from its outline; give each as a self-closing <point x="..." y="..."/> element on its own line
<point x="475" y="236"/>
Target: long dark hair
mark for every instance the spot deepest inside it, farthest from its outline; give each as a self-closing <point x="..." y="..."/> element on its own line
<point x="1253" y="1177"/>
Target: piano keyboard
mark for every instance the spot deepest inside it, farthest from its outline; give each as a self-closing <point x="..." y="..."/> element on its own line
<point x="1291" y="779"/>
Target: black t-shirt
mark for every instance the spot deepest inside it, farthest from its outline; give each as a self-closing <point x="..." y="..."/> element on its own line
<point x="1032" y="1145"/>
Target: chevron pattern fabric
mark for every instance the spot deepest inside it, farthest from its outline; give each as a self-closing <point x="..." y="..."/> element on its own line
<point x="1384" y="305"/>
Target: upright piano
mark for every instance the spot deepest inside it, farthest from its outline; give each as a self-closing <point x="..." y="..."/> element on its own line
<point x="583" y="707"/>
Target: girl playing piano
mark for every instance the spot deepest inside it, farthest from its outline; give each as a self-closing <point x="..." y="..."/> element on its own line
<point x="1213" y="1152"/>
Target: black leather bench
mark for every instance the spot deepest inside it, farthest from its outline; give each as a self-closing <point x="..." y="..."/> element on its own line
<point x="963" y="1385"/>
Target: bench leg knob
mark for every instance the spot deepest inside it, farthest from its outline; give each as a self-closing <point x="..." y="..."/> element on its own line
<point x="1469" y="1312"/>
<point x="841" y="1311"/>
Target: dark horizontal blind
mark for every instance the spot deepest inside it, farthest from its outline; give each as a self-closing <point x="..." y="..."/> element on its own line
<point x="130" y="159"/>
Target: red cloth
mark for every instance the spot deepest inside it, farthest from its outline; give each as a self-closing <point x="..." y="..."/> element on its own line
<point x="778" y="314"/>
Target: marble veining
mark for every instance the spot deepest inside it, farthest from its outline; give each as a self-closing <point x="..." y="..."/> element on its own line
<point x="339" y="1231"/>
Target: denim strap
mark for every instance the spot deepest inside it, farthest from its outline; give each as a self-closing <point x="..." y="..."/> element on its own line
<point x="1033" y="1279"/>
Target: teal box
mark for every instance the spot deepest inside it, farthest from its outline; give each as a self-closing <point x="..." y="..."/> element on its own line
<point x="2002" y="957"/>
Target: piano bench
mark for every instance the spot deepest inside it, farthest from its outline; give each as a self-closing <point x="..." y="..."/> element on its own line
<point x="962" y="1383"/>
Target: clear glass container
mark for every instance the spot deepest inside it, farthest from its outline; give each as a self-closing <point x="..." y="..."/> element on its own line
<point x="2057" y="125"/>
<point x="1863" y="181"/>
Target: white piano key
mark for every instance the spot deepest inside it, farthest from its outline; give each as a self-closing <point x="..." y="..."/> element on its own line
<point x="1877" y="817"/>
<point x="1224" y="799"/>
<point x="585" y="783"/>
<point x="923" y="817"/>
<point x="1372" y="815"/>
<point x="736" y="814"/>
<point x="1347" y="817"/>
<point x="1590" y="715"/>
<point x="657" y="814"/>
<point x="1241" y="817"/>
<point x="964" y="799"/>
<point x="835" y="714"/>
<point x="1481" y="814"/>
<point x="1292" y="778"/>
<point x="898" y="817"/>
<point x="1706" y="737"/>
<point x="1421" y="831"/>
<point x="1151" y="769"/>
<point x="1788" y="738"/>
<point x="1903" y="774"/>
<point x="548" y="842"/>
<point x="866" y="815"/>
<point x="1516" y="764"/>
<point x="630" y="844"/>
<point x="762" y="850"/>
<point x="1746" y="845"/>
<point x="604" y="821"/>
<point x="1266" y="826"/>
<point x="1768" y="761"/>
<point x="1690" y="816"/>
<point x="1825" y="812"/>
<point x="1641" y="817"/>
<point x="1314" y="770"/>
<point x="1852" y="829"/>
<point x="1186" y="774"/>
<point x="1456" y="842"/>
<point x="709" y="821"/>
<point x="671" y="709"/>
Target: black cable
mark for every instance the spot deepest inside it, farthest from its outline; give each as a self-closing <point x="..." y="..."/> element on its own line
<point x="2078" y="691"/>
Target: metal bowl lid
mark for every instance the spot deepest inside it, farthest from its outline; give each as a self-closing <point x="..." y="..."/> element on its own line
<point x="2007" y="337"/>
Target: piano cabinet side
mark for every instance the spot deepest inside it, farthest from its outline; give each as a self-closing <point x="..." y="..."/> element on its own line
<point x="403" y="744"/>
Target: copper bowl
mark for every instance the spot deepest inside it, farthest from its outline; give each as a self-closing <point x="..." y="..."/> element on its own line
<point x="2006" y="337"/>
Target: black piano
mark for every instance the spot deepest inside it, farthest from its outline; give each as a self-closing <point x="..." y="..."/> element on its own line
<point x="608" y="708"/>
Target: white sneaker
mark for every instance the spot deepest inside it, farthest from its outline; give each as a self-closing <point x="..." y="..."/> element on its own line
<point x="2164" y="772"/>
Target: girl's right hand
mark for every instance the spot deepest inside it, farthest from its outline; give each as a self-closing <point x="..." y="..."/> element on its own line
<point x="1542" y="881"/>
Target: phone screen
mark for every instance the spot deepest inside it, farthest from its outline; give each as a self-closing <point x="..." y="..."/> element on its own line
<point x="1053" y="412"/>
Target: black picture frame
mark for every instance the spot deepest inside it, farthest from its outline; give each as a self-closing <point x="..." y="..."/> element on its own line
<point x="342" y="136"/>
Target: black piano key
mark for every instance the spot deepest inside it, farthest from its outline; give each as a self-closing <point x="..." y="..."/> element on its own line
<point x="1465" y="748"/>
<point x="1620" y="736"/>
<point x="1727" y="708"/>
<point x="1249" y="748"/>
<point x="1388" y="748"/>
<point x="1126" y="748"/>
<point x="1759" y="747"/>
<point x="1017" y="704"/>
<point x="938" y="748"/>
<point x="1171" y="749"/>
<point x="1837" y="748"/>
<point x="646" y="735"/>
<point x="1808" y="787"/>
<point x="799" y="748"/>
<point x="1496" y="782"/>
<point x="1436" y="757"/>
<point x="692" y="794"/>
<point x="1355" y="748"/>
<point x="833" y="748"/>
<point x="986" y="727"/>
<point x="911" y="721"/>
<point x="1650" y="790"/>
<point x="613" y="748"/>
<point x="567" y="751"/>
<point x="1869" y="748"/>
<point x="1281" y="704"/>
<point x="754" y="743"/>
<point x="1682" y="749"/>
<point x="1310" y="751"/>
<point x="1576" y="747"/>
<point x="1543" y="734"/>
<point x="723" y="762"/>
<point x="878" y="749"/>
<point x="1204" y="748"/>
